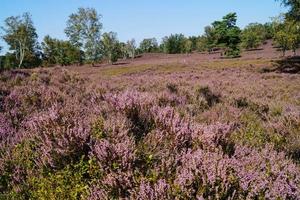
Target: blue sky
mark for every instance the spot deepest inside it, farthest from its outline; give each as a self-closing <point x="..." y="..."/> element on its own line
<point x="141" y="18"/>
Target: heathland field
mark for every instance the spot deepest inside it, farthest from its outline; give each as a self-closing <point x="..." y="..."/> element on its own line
<point x="155" y="127"/>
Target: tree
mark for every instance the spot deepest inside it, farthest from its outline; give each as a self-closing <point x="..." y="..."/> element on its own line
<point x="294" y="9"/>
<point x="282" y="39"/>
<point x="174" y="44"/>
<point x="123" y="50"/>
<point x="269" y="30"/>
<point x="294" y="35"/>
<point x="188" y="46"/>
<point x="287" y="36"/>
<point x="60" y="52"/>
<point x="253" y="35"/>
<point x="194" y="40"/>
<point x="20" y="35"/>
<point x="210" y="39"/>
<point x="149" y="45"/>
<point x="131" y="48"/>
<point x="84" y="31"/>
<point x="111" y="46"/>
<point x="228" y="34"/>
<point x="201" y="45"/>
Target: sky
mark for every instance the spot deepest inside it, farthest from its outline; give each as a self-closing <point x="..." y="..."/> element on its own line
<point x="140" y="18"/>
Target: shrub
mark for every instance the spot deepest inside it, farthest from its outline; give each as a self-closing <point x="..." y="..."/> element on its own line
<point x="208" y="95"/>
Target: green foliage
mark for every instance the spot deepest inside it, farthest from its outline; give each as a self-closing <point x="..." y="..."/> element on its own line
<point x="20" y="35"/>
<point x="251" y="132"/>
<point x="294" y="9"/>
<point x="202" y="44"/>
<point x="2" y="60"/>
<point x="282" y="40"/>
<point x="149" y="45"/>
<point x="60" y="52"/>
<point x="98" y="129"/>
<point x="174" y="44"/>
<point x="269" y="30"/>
<point x="22" y="161"/>
<point x="194" y="41"/>
<point x="188" y="46"/>
<point x="210" y="40"/>
<point x="131" y="48"/>
<point x="8" y="61"/>
<point x="72" y="182"/>
<point x="226" y="30"/>
<point x="287" y="35"/>
<point x="222" y="34"/>
<point x="111" y="47"/>
<point x="253" y="36"/>
<point x="84" y="31"/>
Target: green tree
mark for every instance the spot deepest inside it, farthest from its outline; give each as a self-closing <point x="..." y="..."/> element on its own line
<point x="20" y="35"/>
<point x="282" y="39"/>
<point x="253" y="36"/>
<point x="201" y="45"/>
<point x="149" y="45"/>
<point x="287" y="36"/>
<point x="194" y="40"/>
<point x="174" y="44"/>
<point x="210" y="40"/>
<point x="294" y="9"/>
<point x="269" y="30"/>
<point x="84" y="31"/>
<point x="131" y="48"/>
<point x="188" y="46"/>
<point x="111" y="46"/>
<point x="228" y="34"/>
<point x="60" y="52"/>
<point x="294" y="35"/>
<point x="123" y="50"/>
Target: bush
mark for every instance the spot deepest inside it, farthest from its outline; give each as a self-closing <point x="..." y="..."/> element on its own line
<point x="208" y="95"/>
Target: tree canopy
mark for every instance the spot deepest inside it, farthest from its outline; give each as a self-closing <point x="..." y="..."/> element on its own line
<point x="253" y="35"/>
<point x="84" y="31"/>
<point x="294" y="9"/>
<point x="149" y="45"/>
<point x="60" y="52"/>
<point x="111" y="46"/>
<point x="228" y="34"/>
<point x="21" y="37"/>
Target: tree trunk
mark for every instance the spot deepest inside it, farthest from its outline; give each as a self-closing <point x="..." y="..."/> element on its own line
<point x="22" y="54"/>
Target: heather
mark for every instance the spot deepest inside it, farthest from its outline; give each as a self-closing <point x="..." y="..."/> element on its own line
<point x="198" y="131"/>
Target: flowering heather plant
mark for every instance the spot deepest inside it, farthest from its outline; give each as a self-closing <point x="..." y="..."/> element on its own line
<point x="61" y="132"/>
<point x="160" y="190"/>
<point x="63" y="138"/>
<point x="266" y="173"/>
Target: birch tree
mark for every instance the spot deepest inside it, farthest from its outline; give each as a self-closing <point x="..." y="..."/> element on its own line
<point x="111" y="46"/>
<point x="131" y="48"/>
<point x="84" y="31"/>
<point x="20" y="35"/>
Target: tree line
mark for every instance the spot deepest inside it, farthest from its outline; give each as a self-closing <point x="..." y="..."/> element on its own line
<point x="87" y="44"/>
